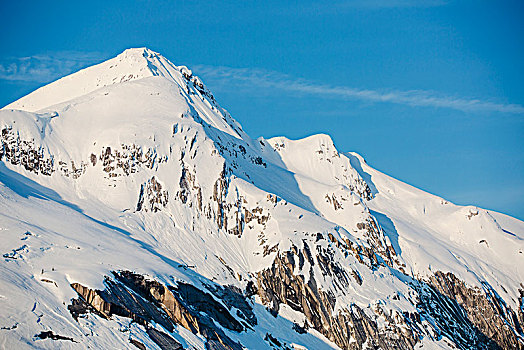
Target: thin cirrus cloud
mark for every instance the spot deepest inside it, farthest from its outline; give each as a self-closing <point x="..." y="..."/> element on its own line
<point x="48" y="67"/>
<point x="378" y="4"/>
<point x="259" y="78"/>
<point x="44" y="68"/>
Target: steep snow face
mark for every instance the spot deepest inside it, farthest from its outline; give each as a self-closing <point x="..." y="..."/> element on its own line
<point x="132" y="165"/>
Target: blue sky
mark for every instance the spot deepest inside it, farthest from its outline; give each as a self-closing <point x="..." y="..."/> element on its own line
<point x="428" y="91"/>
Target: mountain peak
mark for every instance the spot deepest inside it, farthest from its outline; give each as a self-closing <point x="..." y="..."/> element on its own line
<point x="140" y="54"/>
<point x="312" y="142"/>
<point x="131" y="64"/>
<point x="154" y="177"/>
<point x="144" y="51"/>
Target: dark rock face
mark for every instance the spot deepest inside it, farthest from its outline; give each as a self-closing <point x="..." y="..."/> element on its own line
<point x="137" y="344"/>
<point x="448" y="319"/>
<point x="484" y="309"/>
<point x="377" y="240"/>
<point x="132" y="295"/>
<point x="274" y="342"/>
<point x="233" y="297"/>
<point x="220" y="190"/>
<point x="446" y="308"/>
<point x="51" y="335"/>
<point x="204" y="302"/>
<point x="186" y="179"/>
<point x="127" y="160"/>
<point x="152" y="196"/>
<point x="163" y="340"/>
<point x="228" y="216"/>
<point x="24" y="153"/>
<point x="190" y="192"/>
<point x="115" y="162"/>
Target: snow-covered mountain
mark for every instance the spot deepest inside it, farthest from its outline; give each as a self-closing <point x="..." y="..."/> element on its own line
<point x="136" y="213"/>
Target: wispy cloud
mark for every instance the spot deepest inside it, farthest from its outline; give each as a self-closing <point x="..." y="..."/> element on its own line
<point x="376" y="4"/>
<point x="273" y="80"/>
<point x="44" y="68"/>
<point x="342" y="7"/>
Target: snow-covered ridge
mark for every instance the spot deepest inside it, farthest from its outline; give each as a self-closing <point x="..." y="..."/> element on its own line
<point x="132" y="64"/>
<point x="434" y="234"/>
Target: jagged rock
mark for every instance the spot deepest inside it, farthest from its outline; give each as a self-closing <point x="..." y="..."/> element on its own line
<point x="204" y="302"/>
<point x="278" y="285"/>
<point x="164" y="341"/>
<point x="93" y="299"/>
<point x="137" y="344"/>
<point x="51" y="335"/>
<point x="251" y="289"/>
<point x="25" y="153"/>
<point x="153" y="195"/>
<point x="275" y="343"/>
<point x="233" y="297"/>
<point x="132" y="295"/>
<point x="128" y="159"/>
<point x="186" y="179"/>
<point x="459" y="321"/>
<point x="484" y="309"/>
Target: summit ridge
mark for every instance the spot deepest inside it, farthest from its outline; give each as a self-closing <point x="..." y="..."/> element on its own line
<point x="131" y="64"/>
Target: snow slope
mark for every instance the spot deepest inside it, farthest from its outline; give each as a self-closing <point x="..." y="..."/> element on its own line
<point x="132" y="165"/>
<point x="434" y="234"/>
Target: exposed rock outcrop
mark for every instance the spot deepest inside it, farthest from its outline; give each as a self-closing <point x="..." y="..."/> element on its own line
<point x="26" y="153"/>
<point x="127" y="159"/>
<point x="445" y="307"/>
<point x="143" y="300"/>
<point x="484" y="309"/>
<point x="349" y="328"/>
<point x="152" y="196"/>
